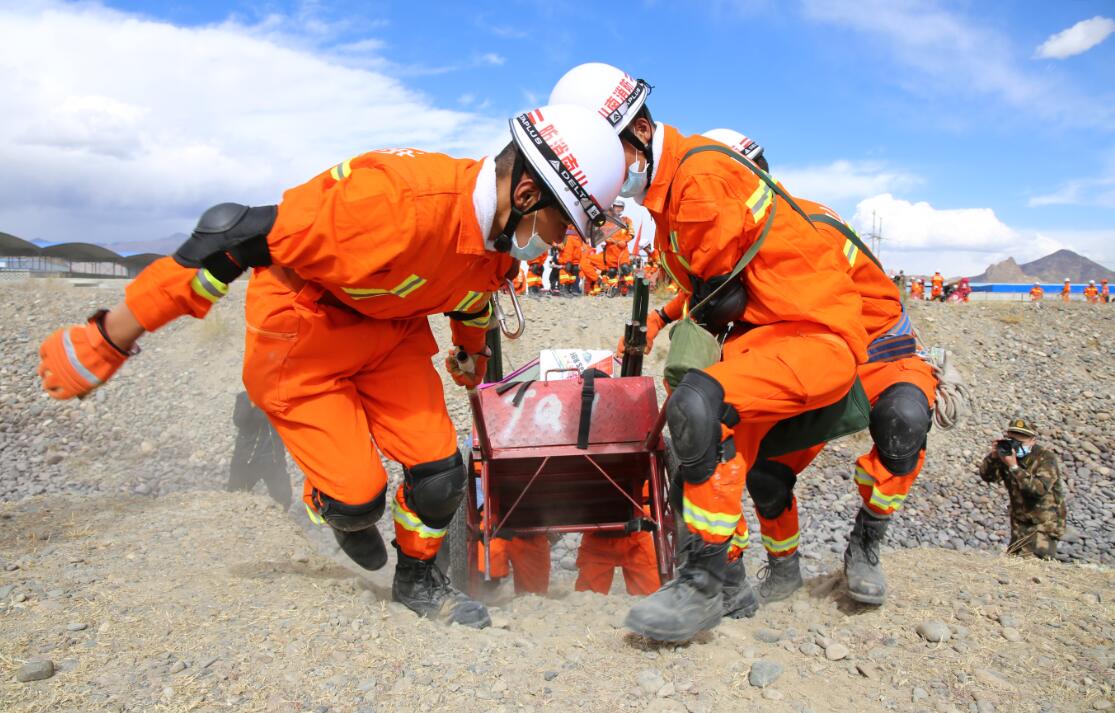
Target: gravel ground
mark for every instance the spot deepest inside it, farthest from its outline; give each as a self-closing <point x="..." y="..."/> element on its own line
<point x="206" y="602"/>
<point x="129" y="582"/>
<point x="164" y="423"/>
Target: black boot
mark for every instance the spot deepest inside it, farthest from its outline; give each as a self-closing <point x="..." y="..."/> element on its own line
<point x="780" y="578"/>
<point x="866" y="582"/>
<point x="425" y="590"/>
<point x="364" y="547"/>
<point x="688" y="604"/>
<point x="739" y="598"/>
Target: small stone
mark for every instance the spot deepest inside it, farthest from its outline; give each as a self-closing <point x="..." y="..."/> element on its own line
<point x="933" y="631"/>
<point x="35" y="670"/>
<point x="809" y="648"/>
<point x="6" y="590"/>
<point x="1011" y="634"/>
<point x="764" y="672"/>
<point x="649" y="680"/>
<point x="768" y="636"/>
<point x="772" y="695"/>
<point x="76" y="626"/>
<point x="991" y="677"/>
<point x="836" y="652"/>
<point x="1101" y="705"/>
<point x="178" y="666"/>
<point x="666" y="691"/>
<point x="549" y="675"/>
<point x="867" y="670"/>
<point x="21" y="597"/>
<point x="919" y="694"/>
<point x="800" y="607"/>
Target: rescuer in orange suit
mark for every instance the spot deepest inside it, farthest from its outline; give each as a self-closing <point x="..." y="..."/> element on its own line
<point x="601" y="552"/>
<point x="570" y="261"/>
<point x="938" y="286"/>
<point x="1066" y="291"/>
<point x="592" y="269"/>
<point x="346" y="271"/>
<point x="1091" y="292"/>
<point x="617" y="258"/>
<point x="917" y="289"/>
<point x="901" y="389"/>
<point x="1037" y="294"/>
<point x="535" y="269"/>
<point x="799" y="353"/>
<point x="526" y="559"/>
<point x="1105" y="291"/>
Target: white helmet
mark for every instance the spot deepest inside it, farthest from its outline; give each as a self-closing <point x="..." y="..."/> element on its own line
<point x="605" y="89"/>
<point x="1091" y="282"/>
<point x="1037" y="284"/>
<point x="577" y="156"/>
<point x="748" y="148"/>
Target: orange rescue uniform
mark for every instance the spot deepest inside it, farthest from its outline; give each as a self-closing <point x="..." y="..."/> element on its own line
<point x="1037" y="293"/>
<point x="881" y="491"/>
<point x="1066" y="292"/>
<point x="535" y="268"/>
<point x="569" y="256"/>
<point x="1092" y="294"/>
<point x="338" y="348"/>
<point x="938" y="286"/>
<point x="592" y="268"/>
<point x="601" y="553"/>
<point x="804" y="336"/>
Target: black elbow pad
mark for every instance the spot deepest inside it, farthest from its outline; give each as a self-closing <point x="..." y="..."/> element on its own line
<point x="229" y="238"/>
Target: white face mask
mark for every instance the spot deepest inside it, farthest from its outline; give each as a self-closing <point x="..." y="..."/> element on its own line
<point x="535" y="245"/>
<point x="635" y="183"/>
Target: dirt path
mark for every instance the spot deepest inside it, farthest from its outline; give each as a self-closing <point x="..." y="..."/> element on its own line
<point x="211" y="602"/>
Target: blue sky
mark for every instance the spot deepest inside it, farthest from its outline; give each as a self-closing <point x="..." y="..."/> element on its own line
<point x="943" y="117"/>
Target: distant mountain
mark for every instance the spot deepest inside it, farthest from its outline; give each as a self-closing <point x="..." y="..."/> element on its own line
<point x="161" y="246"/>
<point x="1054" y="267"/>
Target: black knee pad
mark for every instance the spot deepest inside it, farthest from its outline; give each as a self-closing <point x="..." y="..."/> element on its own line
<point x="900" y="420"/>
<point x="434" y="490"/>
<point x="771" y="486"/>
<point x="350" y="518"/>
<point x="694" y="413"/>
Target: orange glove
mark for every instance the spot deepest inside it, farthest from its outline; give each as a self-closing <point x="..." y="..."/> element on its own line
<point x="468" y="370"/>
<point x="655" y="322"/>
<point x="77" y="359"/>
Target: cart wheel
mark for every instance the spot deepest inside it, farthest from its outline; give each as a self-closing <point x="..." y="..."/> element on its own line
<point x="455" y="550"/>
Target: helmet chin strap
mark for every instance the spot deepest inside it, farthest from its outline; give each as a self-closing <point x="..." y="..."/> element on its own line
<point x="503" y="240"/>
<point x="628" y="135"/>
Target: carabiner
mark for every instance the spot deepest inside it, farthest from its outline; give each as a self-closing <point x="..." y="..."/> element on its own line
<point x="497" y="308"/>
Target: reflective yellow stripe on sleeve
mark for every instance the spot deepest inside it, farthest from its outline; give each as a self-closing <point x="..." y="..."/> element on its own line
<point x="879" y="499"/>
<point x="207" y="286"/>
<point x="471" y="298"/>
<point x="342" y="170"/>
<point x="760" y="200"/>
<point x="481" y="321"/>
<point x="403" y="289"/>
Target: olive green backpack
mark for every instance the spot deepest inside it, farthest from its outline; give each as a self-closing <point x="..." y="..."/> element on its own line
<point x="694" y="347"/>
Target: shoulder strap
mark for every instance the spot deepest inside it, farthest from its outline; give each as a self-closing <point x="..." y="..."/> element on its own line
<point x="763" y="175"/>
<point x="847" y="233"/>
<point x="754" y="249"/>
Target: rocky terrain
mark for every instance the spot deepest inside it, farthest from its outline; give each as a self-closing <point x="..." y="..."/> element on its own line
<point x="148" y="589"/>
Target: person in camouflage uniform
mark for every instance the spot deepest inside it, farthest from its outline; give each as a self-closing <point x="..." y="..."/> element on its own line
<point x="1032" y="476"/>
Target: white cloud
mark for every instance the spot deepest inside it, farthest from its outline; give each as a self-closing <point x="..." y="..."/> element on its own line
<point x="960" y="241"/>
<point x="1085" y="191"/>
<point x="1077" y="39"/>
<point x="118" y="127"/>
<point x="951" y="54"/>
<point x="842" y="181"/>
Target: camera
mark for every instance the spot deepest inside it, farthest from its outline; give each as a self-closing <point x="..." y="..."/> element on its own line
<point x="1006" y="446"/>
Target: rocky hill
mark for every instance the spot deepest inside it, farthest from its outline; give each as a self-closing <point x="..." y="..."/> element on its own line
<point x="1054" y="267"/>
<point x="147" y="588"/>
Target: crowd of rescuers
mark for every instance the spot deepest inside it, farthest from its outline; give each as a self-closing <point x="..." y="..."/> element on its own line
<point x="961" y="290"/>
<point x="364" y="252"/>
